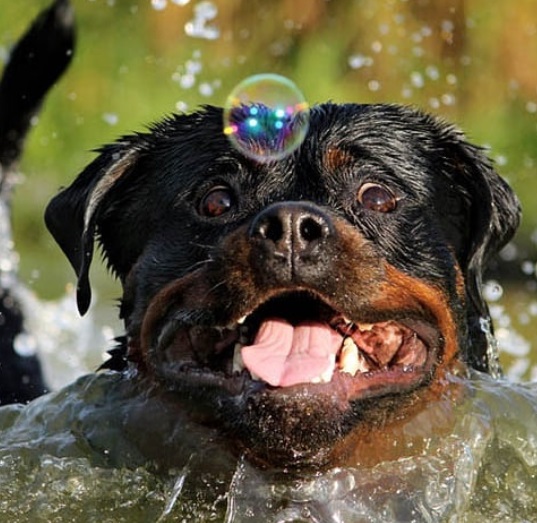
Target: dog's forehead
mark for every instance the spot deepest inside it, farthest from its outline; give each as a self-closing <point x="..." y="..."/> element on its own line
<point x="343" y="140"/>
<point x="347" y="131"/>
<point x="395" y="141"/>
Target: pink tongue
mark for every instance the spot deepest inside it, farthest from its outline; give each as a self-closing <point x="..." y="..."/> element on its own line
<point x="284" y="355"/>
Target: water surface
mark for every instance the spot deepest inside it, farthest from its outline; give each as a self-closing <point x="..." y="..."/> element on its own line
<point x="107" y="449"/>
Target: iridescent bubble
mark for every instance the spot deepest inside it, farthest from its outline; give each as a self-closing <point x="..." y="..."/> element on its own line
<point x="266" y="117"/>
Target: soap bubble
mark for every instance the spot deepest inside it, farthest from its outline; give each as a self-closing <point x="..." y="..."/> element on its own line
<point x="266" y="117"/>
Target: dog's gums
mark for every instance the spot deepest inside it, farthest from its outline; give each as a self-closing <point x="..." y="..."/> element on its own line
<point x="297" y="339"/>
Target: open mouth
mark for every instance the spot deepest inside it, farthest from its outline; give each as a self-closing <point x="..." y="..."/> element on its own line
<point x="296" y="339"/>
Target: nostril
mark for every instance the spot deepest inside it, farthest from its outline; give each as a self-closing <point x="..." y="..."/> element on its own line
<point x="271" y="228"/>
<point x="287" y="227"/>
<point x="310" y="229"/>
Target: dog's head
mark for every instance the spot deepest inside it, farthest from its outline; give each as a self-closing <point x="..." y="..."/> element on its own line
<point x="301" y="297"/>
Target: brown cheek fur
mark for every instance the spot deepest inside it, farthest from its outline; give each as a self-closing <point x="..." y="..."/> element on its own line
<point x="402" y="292"/>
<point x="192" y="291"/>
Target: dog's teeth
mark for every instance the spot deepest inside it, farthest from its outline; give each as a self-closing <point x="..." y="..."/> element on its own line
<point x="326" y="376"/>
<point x="351" y="360"/>
<point x="238" y="364"/>
<point x="241" y="320"/>
<point x="366" y="326"/>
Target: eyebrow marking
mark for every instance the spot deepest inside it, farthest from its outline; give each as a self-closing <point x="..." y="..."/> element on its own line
<point x="335" y="158"/>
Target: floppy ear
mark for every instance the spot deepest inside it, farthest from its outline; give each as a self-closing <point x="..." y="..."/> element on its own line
<point x="72" y="215"/>
<point x="494" y="219"/>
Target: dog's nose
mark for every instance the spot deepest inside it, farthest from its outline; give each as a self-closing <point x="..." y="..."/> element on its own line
<point x="290" y="236"/>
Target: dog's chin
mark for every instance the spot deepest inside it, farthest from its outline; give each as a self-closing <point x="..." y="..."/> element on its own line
<point x="293" y="375"/>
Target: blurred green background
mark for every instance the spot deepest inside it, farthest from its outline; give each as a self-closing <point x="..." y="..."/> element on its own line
<point x="473" y="62"/>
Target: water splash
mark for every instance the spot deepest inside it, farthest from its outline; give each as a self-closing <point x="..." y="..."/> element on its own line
<point x="69" y="346"/>
<point x="186" y="75"/>
<point x="175" y="492"/>
<point x="90" y="451"/>
<point x="199" y="27"/>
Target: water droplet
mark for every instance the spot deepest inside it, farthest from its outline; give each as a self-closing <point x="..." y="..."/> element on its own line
<point x="418" y="51"/>
<point x="111" y="118"/>
<point x="501" y="159"/>
<point x="406" y="92"/>
<point x="376" y="46"/>
<point x="159" y="5"/>
<point x="426" y="31"/>
<point x="384" y="29"/>
<point x="206" y="89"/>
<point x="416" y="79"/>
<point x="510" y="251"/>
<point x="357" y="61"/>
<point x="448" y="99"/>
<point x="198" y="28"/>
<point x="266" y="117"/>
<point x="432" y="72"/>
<point x="492" y="291"/>
<point x="373" y="85"/>
<point x="528" y="267"/>
<point x="25" y="344"/>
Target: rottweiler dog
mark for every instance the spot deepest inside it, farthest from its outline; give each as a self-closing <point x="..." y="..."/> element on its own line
<point x="299" y="303"/>
<point x="37" y="61"/>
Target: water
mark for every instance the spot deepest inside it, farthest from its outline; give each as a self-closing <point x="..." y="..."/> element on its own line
<point x="107" y="449"/>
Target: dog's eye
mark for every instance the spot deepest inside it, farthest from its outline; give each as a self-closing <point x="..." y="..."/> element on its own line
<point x="376" y="198"/>
<point x="216" y="202"/>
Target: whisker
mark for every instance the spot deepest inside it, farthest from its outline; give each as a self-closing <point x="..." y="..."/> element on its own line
<point x="202" y="245"/>
<point x="198" y="264"/>
<point x="214" y="287"/>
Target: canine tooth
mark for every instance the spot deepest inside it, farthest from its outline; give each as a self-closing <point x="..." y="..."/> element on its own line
<point x="238" y="364"/>
<point x="241" y="320"/>
<point x="351" y="360"/>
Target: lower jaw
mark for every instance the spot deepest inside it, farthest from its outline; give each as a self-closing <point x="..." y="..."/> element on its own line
<point x="297" y="427"/>
<point x="297" y="431"/>
<point x="345" y="387"/>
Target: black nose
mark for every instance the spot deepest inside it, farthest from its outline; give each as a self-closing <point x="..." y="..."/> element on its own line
<point x="290" y="237"/>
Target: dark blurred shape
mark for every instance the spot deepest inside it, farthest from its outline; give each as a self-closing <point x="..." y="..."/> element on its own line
<point x="35" y="64"/>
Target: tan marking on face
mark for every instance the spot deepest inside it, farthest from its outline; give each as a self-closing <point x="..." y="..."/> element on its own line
<point x="334" y="159"/>
<point x="400" y="291"/>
